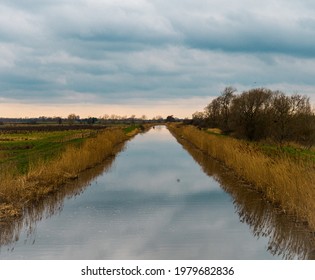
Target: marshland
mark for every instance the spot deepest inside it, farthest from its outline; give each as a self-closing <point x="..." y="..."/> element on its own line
<point x="228" y="184"/>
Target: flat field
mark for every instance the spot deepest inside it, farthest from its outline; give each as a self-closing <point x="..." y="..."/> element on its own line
<point x="36" y="161"/>
<point x="21" y="146"/>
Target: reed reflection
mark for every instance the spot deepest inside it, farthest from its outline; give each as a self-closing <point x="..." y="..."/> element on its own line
<point x="10" y="231"/>
<point x="288" y="238"/>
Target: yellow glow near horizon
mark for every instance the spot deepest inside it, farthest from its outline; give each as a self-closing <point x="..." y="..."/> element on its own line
<point x="179" y="108"/>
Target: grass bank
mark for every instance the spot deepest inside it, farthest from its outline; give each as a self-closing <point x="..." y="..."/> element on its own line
<point x="43" y="177"/>
<point x="285" y="182"/>
<point x="21" y="147"/>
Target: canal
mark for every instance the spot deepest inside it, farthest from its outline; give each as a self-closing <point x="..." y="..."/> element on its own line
<point x="158" y="199"/>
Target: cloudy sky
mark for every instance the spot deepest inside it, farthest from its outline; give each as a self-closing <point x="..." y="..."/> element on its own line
<point x="152" y="57"/>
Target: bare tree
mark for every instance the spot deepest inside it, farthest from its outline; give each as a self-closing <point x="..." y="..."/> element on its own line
<point x="250" y="113"/>
<point x="280" y="116"/>
<point x="219" y="110"/>
<point x="72" y="118"/>
<point x="261" y="113"/>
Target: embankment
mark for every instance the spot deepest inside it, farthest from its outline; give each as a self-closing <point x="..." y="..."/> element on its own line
<point x="288" y="184"/>
<point x="17" y="192"/>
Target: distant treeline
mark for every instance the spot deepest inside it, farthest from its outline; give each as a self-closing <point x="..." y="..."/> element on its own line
<point x="261" y="114"/>
<point x="74" y="119"/>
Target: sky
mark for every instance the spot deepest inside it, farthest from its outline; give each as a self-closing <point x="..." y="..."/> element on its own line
<point x="149" y="57"/>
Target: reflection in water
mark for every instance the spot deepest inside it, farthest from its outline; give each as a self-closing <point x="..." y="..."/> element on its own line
<point x="287" y="237"/>
<point x="53" y="204"/>
<point x="154" y="202"/>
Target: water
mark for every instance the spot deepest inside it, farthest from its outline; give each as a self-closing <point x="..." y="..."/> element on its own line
<point x="155" y="202"/>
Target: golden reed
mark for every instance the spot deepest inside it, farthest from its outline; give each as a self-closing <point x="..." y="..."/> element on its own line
<point x="288" y="184"/>
<point x="43" y="178"/>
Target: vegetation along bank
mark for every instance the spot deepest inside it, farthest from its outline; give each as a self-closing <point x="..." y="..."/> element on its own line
<point x="50" y="162"/>
<point x="284" y="181"/>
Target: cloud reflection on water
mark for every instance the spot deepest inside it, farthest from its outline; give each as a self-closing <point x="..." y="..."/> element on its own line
<point x="154" y="203"/>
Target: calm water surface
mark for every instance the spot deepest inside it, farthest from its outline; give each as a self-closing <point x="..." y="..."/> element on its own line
<point x="155" y="202"/>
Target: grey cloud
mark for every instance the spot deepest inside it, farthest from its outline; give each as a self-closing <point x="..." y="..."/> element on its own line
<point x="247" y="33"/>
<point x="206" y="25"/>
<point x="112" y="23"/>
<point x="117" y="51"/>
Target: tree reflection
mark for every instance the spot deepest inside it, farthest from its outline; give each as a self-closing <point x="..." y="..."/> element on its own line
<point x="10" y="231"/>
<point x="288" y="237"/>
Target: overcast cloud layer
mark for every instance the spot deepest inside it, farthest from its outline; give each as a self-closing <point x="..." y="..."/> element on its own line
<point x="151" y="52"/>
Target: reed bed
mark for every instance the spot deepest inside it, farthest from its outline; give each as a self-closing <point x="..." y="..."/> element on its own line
<point x="287" y="183"/>
<point x="18" y="191"/>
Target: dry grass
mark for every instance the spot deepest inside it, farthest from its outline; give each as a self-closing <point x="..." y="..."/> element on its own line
<point x="284" y="182"/>
<point x="43" y="178"/>
<point x="214" y="130"/>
